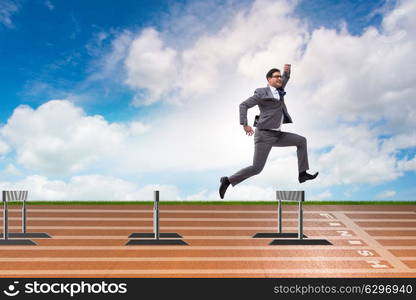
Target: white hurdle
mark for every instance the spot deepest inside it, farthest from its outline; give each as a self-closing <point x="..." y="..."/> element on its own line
<point x="290" y="238"/>
<point x="22" y="196"/>
<point x="155" y="237"/>
<point x="14" y="196"/>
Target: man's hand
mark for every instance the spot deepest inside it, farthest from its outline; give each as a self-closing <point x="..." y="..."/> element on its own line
<point x="286" y="68"/>
<point x="248" y="130"/>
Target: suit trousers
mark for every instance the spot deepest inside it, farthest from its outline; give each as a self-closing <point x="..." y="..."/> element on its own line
<point x="264" y="140"/>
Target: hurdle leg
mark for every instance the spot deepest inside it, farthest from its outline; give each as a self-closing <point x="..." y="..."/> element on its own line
<point x="5" y="221"/>
<point x="279" y="216"/>
<point x="279" y="233"/>
<point x="300" y="237"/>
<point x="156" y="216"/>
<point x="155" y="237"/>
<point x="300" y="222"/>
<point x="6" y="235"/>
<point x="24" y="217"/>
<point x="24" y="233"/>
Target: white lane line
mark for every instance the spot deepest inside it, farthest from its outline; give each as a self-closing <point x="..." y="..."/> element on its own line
<point x="167" y="259"/>
<point x="248" y="219"/>
<point x="335" y="224"/>
<point x="188" y="237"/>
<point x="190" y="248"/>
<point x="165" y="228"/>
<point x="166" y="219"/>
<point x="328" y="216"/>
<point x="345" y="233"/>
<point x="150" y="210"/>
<point x="396" y="229"/>
<point x="209" y="237"/>
<point x="380" y="212"/>
<point x="187" y="248"/>
<point x="392" y="260"/>
<point x="377" y="264"/>
<point x="395" y="237"/>
<point x="382" y="229"/>
<point x="198" y="271"/>
<point x="352" y="242"/>
<point x="384" y="220"/>
<point x="365" y="253"/>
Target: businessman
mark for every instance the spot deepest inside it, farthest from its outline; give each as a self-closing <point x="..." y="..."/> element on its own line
<point x="273" y="113"/>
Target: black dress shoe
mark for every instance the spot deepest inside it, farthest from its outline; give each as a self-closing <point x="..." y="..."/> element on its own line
<point x="224" y="185"/>
<point x="303" y="176"/>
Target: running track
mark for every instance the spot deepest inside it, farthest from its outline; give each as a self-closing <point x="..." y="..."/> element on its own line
<point x="89" y="241"/>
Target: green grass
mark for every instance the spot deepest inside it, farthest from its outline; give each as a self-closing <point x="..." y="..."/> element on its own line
<point x="214" y="203"/>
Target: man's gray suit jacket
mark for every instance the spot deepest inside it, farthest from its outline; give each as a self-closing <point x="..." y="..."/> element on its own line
<point x="271" y="109"/>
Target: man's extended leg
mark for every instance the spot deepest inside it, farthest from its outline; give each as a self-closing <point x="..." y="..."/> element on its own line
<point x="261" y="152"/>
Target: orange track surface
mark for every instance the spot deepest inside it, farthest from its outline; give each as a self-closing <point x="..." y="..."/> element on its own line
<point x="89" y="241"/>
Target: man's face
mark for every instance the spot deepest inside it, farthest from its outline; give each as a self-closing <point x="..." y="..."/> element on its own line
<point x="275" y="80"/>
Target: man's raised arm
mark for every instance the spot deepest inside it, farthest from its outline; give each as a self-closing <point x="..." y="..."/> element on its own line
<point x="286" y="75"/>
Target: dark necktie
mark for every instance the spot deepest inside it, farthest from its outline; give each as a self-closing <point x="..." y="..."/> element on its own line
<point x="281" y="92"/>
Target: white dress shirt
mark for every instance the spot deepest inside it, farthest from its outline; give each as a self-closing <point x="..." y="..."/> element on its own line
<point x="276" y="95"/>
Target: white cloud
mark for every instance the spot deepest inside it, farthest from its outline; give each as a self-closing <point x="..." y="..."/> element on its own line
<point x="340" y="77"/>
<point x="215" y="59"/>
<point x="151" y="65"/>
<point x="89" y="187"/>
<point x="321" y="196"/>
<point x="351" y="190"/>
<point x="253" y="192"/>
<point x="386" y="194"/>
<point x="58" y="138"/>
<point x="357" y="158"/>
<point x="7" y="9"/>
<point x="4" y="148"/>
<point x="400" y="141"/>
<point x="109" y="65"/>
<point x="137" y="128"/>
<point x="95" y="44"/>
<point x="247" y="192"/>
<point x="407" y="165"/>
<point x="345" y="92"/>
<point x="10" y="170"/>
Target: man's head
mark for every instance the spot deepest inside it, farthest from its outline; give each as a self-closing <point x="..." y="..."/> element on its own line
<point x="274" y="78"/>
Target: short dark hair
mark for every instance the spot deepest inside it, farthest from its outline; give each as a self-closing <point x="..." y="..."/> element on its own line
<point x="270" y="73"/>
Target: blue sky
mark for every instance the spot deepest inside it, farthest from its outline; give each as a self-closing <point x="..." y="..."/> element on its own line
<point x="54" y="50"/>
<point x="126" y="70"/>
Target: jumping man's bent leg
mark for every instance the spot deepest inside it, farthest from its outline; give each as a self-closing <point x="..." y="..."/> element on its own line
<point x="261" y="151"/>
<point x="291" y="139"/>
